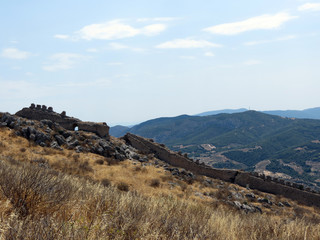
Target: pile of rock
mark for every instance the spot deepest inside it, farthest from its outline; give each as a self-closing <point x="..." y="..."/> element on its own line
<point x="47" y="133"/>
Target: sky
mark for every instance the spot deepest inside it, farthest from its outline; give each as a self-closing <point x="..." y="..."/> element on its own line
<point x="127" y="61"/>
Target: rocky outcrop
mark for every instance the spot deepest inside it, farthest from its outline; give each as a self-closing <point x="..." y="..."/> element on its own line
<point x="245" y="179"/>
<point x="38" y="112"/>
<point x="47" y="133"/>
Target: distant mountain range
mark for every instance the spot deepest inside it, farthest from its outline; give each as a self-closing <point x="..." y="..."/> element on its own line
<point x="247" y="140"/>
<point x="311" y="113"/>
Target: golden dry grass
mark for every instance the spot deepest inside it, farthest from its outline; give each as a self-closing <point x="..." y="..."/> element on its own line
<point x="90" y="210"/>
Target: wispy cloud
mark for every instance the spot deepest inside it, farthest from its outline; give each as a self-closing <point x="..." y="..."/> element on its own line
<point x="187" y="43"/>
<point x="63" y="61"/>
<point x="61" y="36"/>
<point x="265" y="22"/>
<point x="309" y="7"/>
<point x="112" y="30"/>
<point x="101" y="82"/>
<point x="285" y="38"/>
<point x="252" y="62"/>
<point x="158" y="19"/>
<point x="92" y="50"/>
<point x="209" y="54"/>
<point x="14" y="53"/>
<point x="120" y="46"/>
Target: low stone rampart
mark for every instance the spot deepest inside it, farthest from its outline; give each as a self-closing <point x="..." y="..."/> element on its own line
<point x="245" y="179"/>
<point x="38" y="112"/>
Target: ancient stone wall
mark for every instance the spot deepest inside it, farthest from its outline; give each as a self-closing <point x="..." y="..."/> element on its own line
<point x="245" y="179"/>
<point x="38" y="112"/>
<point x="177" y="160"/>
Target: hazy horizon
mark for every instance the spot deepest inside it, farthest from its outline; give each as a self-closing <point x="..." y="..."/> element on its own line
<point x="131" y="61"/>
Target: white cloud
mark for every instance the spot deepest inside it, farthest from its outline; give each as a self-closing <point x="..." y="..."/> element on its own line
<point x="63" y="61"/>
<point x="209" y="54"/>
<point x="61" y="36"/>
<point x="15" y="53"/>
<point x="252" y="62"/>
<point x="101" y="82"/>
<point x="309" y="7"/>
<point x="187" y="43"/>
<point x="285" y="38"/>
<point x="265" y="22"/>
<point x="116" y="29"/>
<point x="119" y="46"/>
<point x="153" y="29"/>
<point x="93" y="50"/>
<point x="157" y="19"/>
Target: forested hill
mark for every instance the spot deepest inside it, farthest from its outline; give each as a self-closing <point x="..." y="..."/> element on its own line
<point x="243" y="140"/>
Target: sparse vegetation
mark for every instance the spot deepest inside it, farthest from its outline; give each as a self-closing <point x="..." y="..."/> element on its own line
<point x="99" y="161"/>
<point x="121" y="202"/>
<point x="123" y="186"/>
<point x="155" y="182"/>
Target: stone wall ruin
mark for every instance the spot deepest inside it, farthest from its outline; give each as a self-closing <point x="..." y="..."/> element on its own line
<point x="245" y="179"/>
<point x="38" y="112"/>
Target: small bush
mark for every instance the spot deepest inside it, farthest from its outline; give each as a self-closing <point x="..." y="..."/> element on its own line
<point x="2" y="145"/>
<point x="123" y="186"/>
<point x="32" y="190"/>
<point x="105" y="182"/>
<point x="183" y="186"/>
<point x="155" y="182"/>
<point x="99" y="161"/>
<point x="22" y="149"/>
<point x="85" y="167"/>
<point x="223" y="194"/>
<point x="112" y="161"/>
<point x="76" y="157"/>
<point x="137" y="168"/>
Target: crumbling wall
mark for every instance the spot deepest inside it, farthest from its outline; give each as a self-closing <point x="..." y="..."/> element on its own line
<point x="38" y="112"/>
<point x="245" y="179"/>
<point x="177" y="160"/>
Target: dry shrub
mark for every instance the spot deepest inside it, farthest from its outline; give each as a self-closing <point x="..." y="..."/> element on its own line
<point x="32" y="190"/>
<point x="106" y="182"/>
<point x="223" y="194"/>
<point x="112" y="161"/>
<point x="85" y="167"/>
<point x="183" y="186"/>
<point x="47" y="150"/>
<point x="2" y="145"/>
<point x="155" y="183"/>
<point x="189" y="180"/>
<point x="22" y="149"/>
<point x="99" y="161"/>
<point x="166" y="178"/>
<point x="122" y="186"/>
<point x="76" y="157"/>
<point x="137" y="168"/>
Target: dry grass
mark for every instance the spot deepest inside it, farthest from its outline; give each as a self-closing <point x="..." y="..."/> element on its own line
<point x="91" y="205"/>
<point x="90" y="211"/>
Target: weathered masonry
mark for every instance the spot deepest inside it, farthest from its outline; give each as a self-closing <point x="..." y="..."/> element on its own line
<point x="254" y="181"/>
<point x="38" y="112"/>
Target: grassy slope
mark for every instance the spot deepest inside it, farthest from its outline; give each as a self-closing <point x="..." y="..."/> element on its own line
<point x="89" y="210"/>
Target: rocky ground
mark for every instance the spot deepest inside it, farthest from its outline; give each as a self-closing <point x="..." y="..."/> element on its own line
<point x="49" y="134"/>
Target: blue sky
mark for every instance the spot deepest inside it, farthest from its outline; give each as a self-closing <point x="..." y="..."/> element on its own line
<point x="124" y="61"/>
